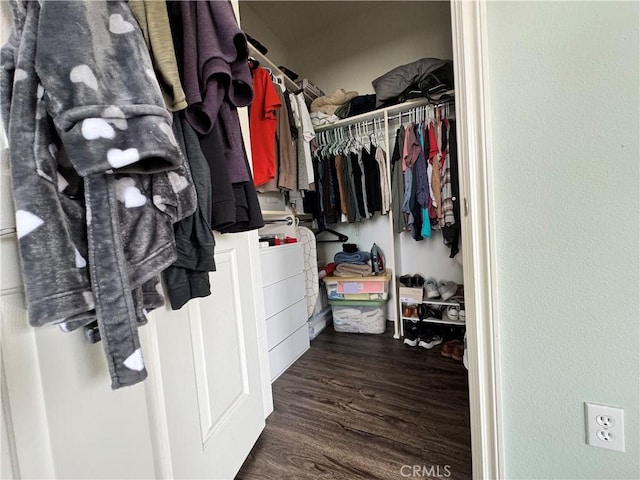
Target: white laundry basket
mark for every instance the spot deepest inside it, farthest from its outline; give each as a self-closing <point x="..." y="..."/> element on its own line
<point x="352" y="317"/>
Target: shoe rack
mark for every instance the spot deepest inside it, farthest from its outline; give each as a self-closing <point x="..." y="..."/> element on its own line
<point x="410" y="311"/>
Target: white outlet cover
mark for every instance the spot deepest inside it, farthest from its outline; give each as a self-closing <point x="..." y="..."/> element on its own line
<point x="604" y="426"/>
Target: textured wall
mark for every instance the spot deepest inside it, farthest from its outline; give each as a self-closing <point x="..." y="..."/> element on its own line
<point x="564" y="105"/>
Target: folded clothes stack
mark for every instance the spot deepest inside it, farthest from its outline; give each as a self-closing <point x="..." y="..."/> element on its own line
<point x="352" y="263"/>
<point x="320" y="118"/>
<point x="352" y="270"/>
<point x="328" y="104"/>
<point x="357" y="258"/>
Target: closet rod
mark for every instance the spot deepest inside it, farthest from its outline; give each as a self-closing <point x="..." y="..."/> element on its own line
<point x="288" y="221"/>
<point x="265" y="62"/>
<point x="450" y="116"/>
<point x="375" y="113"/>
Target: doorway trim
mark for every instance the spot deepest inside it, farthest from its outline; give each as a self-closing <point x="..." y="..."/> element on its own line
<point x="469" y="37"/>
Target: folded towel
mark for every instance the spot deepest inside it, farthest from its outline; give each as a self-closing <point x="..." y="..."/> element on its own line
<point x="352" y="270"/>
<point x="359" y="258"/>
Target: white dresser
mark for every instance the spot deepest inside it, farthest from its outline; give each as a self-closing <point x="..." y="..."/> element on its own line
<point x="285" y="305"/>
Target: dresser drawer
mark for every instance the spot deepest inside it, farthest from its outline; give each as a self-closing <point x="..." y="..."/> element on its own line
<point x="281" y="295"/>
<point x="288" y="351"/>
<point x="280" y="262"/>
<point x="284" y="323"/>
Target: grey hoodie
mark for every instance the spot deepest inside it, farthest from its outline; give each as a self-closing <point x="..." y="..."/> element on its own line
<point x="95" y="172"/>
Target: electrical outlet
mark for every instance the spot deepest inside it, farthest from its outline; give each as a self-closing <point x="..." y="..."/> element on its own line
<point x="604" y="426"/>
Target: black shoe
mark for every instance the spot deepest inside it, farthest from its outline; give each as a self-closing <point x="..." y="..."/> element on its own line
<point x="411" y="334"/>
<point x="429" y="340"/>
<point x="406" y="280"/>
<point x="433" y="313"/>
<point x="417" y="280"/>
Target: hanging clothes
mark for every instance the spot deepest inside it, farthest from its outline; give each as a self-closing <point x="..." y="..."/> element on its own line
<point x="434" y="160"/>
<point x="263" y="122"/>
<point x="372" y="184"/>
<point x="188" y="276"/>
<point x="212" y="55"/>
<point x="381" y="159"/>
<point x="342" y="187"/>
<point x="397" y="183"/>
<point x="355" y="174"/>
<point x="285" y="149"/>
<point x="451" y="233"/>
<point x="102" y="142"/>
<point x="306" y="134"/>
<point x="215" y="57"/>
<point x="353" y="214"/>
<point x="448" y="217"/>
<point x="153" y="19"/>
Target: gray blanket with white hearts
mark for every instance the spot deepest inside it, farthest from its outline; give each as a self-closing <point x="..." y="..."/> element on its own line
<point x="98" y="179"/>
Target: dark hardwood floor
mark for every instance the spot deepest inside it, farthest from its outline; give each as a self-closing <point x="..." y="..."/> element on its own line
<point x="366" y="407"/>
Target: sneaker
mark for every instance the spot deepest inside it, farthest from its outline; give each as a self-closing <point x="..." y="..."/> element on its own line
<point x="417" y="280"/>
<point x="462" y="315"/>
<point x="411" y="334"/>
<point x="432" y="311"/>
<point x="453" y="313"/>
<point x="406" y="280"/>
<point x="429" y="340"/>
<point x="431" y="288"/>
<point x="447" y="289"/>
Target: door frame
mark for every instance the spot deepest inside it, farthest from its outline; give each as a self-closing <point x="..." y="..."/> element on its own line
<point x="470" y="60"/>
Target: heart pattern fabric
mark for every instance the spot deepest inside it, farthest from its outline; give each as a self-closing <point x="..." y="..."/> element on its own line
<point x="83" y="74"/>
<point x="129" y="194"/>
<point x="119" y="25"/>
<point x="135" y="361"/>
<point x="26" y="222"/>
<point x="94" y="128"/>
<point x="121" y="158"/>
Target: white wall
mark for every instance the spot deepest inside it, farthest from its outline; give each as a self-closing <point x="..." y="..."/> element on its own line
<point x="254" y="25"/>
<point x="565" y="117"/>
<point x="352" y="51"/>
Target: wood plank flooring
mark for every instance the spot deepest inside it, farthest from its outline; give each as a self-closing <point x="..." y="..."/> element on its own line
<point x="365" y="407"/>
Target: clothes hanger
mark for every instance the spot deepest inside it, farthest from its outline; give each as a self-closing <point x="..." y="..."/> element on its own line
<point x="341" y="238"/>
<point x="373" y="139"/>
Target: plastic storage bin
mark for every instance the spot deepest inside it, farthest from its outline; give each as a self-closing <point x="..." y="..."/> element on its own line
<point x="350" y="317"/>
<point x="374" y="287"/>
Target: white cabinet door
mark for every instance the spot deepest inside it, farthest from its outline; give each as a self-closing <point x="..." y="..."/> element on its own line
<point x="196" y="416"/>
<point x="210" y="355"/>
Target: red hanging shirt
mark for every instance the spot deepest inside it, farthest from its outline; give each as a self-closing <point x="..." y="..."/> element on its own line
<point x="262" y="126"/>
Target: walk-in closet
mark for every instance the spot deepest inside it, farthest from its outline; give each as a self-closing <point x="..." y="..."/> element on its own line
<point x="415" y="370"/>
<point x="230" y="256"/>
